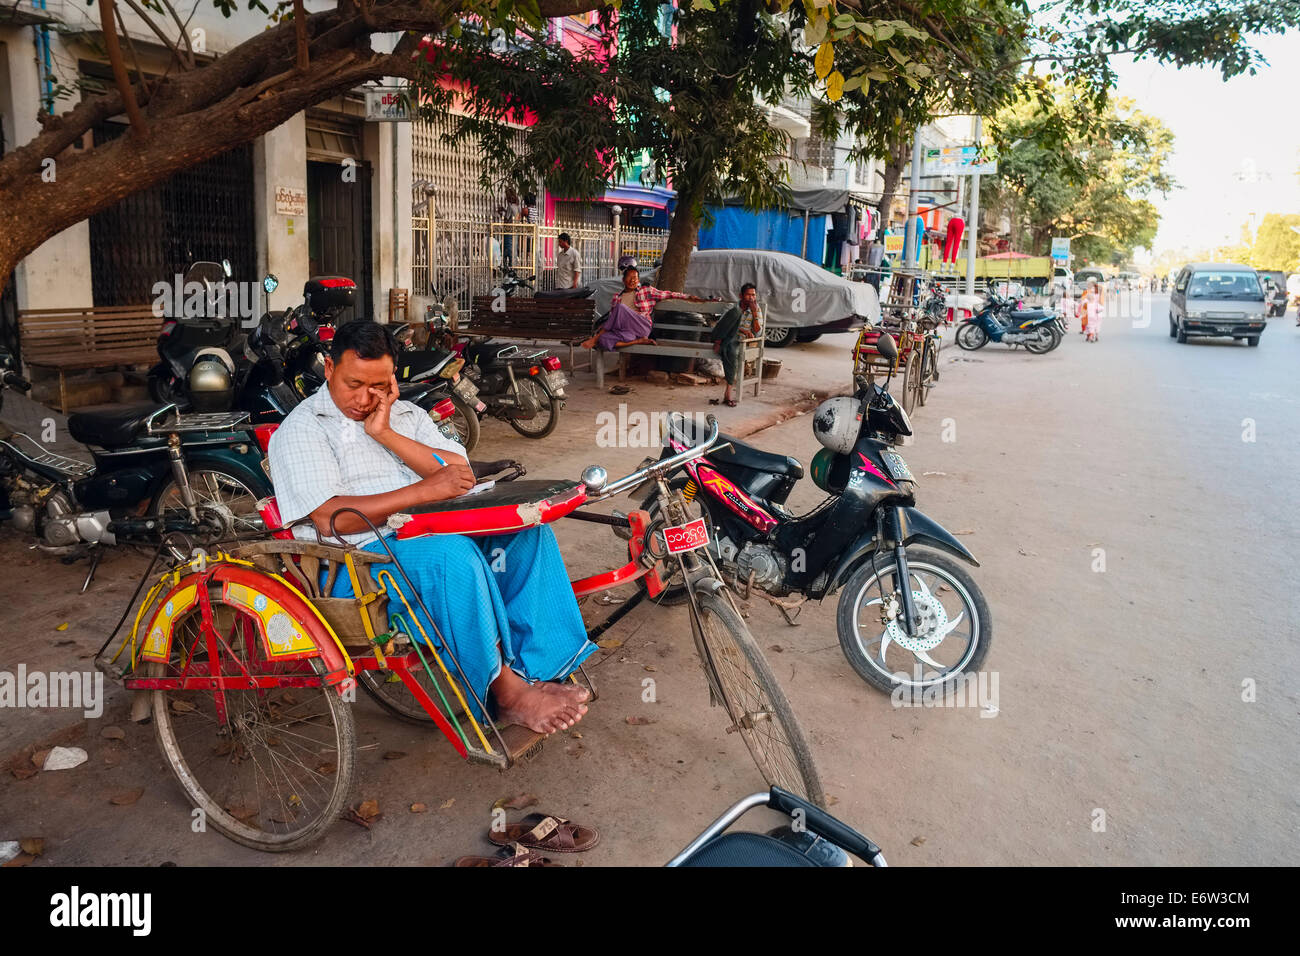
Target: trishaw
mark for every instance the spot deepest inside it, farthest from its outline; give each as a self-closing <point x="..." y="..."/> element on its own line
<point x="248" y="666"/>
<point x="913" y="313"/>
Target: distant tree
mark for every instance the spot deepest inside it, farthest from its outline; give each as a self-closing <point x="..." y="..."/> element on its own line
<point x="1277" y="243"/>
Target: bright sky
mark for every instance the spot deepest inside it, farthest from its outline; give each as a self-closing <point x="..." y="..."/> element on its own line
<point x="1236" y="144"/>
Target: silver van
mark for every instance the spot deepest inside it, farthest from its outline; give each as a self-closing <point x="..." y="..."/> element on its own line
<point x="1217" y="299"/>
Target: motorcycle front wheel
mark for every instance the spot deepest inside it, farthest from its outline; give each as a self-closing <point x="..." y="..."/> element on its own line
<point x="954" y="632"/>
<point x="755" y="703"/>
<point x="971" y="337"/>
<point x="547" y="416"/>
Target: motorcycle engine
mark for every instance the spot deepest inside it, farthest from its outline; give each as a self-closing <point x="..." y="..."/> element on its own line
<point x="766" y="564"/>
<point x="47" y="512"/>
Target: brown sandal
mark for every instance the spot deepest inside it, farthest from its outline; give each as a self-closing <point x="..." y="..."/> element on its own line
<point x="541" y="831"/>
<point x="514" y="855"/>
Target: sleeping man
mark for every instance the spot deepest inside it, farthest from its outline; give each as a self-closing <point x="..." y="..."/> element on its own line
<point x="512" y="622"/>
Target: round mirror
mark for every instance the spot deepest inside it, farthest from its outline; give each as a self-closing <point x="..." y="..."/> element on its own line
<point x="887" y="347"/>
<point x="270" y="283"/>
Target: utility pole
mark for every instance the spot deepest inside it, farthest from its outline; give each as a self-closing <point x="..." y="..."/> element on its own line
<point x="973" y="226"/>
<point x="912" y="242"/>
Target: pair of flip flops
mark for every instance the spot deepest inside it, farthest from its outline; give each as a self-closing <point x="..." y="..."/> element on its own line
<point x="729" y="402"/>
<point x="526" y="842"/>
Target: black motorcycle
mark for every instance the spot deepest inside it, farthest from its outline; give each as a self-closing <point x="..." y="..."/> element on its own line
<point x="155" y="472"/>
<point x="521" y="387"/>
<point x="861" y="540"/>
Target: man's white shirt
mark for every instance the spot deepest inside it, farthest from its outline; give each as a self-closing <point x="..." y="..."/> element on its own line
<point x="319" y="453"/>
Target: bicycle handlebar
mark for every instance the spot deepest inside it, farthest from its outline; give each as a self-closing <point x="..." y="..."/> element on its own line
<point x="660" y="467"/>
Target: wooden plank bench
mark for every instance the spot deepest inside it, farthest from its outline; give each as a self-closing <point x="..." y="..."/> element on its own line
<point x="752" y="349"/>
<point x="567" y="321"/>
<point x="84" y="339"/>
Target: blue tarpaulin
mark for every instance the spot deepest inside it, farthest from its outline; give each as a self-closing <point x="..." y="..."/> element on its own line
<point x="737" y="228"/>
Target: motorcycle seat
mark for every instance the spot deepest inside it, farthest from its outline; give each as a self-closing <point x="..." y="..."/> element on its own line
<point x="1028" y="315"/>
<point x="110" y="427"/>
<point x="740" y="454"/>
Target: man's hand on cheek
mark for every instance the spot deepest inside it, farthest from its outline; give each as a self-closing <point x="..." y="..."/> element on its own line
<point x="377" y="422"/>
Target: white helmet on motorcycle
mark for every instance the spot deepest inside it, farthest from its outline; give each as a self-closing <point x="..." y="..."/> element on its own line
<point x="836" y="424"/>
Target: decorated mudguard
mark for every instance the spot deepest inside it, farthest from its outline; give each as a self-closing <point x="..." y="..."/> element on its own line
<point x="499" y="510"/>
<point x="289" y="626"/>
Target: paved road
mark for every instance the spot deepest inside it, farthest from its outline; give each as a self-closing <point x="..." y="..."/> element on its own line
<point x="1119" y="691"/>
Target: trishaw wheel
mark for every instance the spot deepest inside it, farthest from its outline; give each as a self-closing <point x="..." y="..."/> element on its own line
<point x="270" y="768"/>
<point x="755" y="703"/>
<point x="911" y="380"/>
<point x="391" y="693"/>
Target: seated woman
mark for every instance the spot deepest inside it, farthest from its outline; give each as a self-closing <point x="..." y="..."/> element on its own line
<point x="630" y="314"/>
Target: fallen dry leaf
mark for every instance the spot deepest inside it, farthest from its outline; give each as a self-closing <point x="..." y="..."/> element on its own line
<point x="446" y="804"/>
<point x="609" y="642"/>
<point x="62" y="627"/>
<point x="38" y="758"/>
<point x="574" y="749"/>
<point x="638" y="720"/>
<point x="777" y="648"/>
<point x="418" y="808"/>
<point x="368" y="809"/>
<point x="21" y="860"/>
<point x="182" y="707"/>
<point x="23" y="773"/>
<point x="650" y="667"/>
<point x="32" y="846"/>
<point x="965" y="531"/>
<point x="113" y="733"/>
<point x="917" y="841"/>
<point x="242" y="812"/>
<point x="126" y="797"/>
<point x="831" y="801"/>
<point x="351" y="816"/>
<point x="395" y="755"/>
<point x="326" y="768"/>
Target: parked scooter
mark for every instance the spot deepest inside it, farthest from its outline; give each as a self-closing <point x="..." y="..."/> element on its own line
<point x="862" y="540"/>
<point x="1038" y="330"/>
<point x="155" y="472"/>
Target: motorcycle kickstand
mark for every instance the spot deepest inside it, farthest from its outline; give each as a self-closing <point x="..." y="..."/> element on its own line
<point x="94" y="566"/>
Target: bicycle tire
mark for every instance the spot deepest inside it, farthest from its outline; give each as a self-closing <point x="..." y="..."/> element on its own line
<point x="753" y="697"/>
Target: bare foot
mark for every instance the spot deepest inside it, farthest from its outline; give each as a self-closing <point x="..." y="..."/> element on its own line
<point x="543" y="707"/>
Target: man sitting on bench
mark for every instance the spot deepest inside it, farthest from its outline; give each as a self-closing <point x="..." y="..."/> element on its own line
<point x="501" y="599"/>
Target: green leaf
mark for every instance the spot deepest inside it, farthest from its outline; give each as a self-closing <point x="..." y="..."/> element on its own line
<point x="843" y="21"/>
<point x="814" y="33"/>
<point x="898" y="57"/>
<point x="854" y="82"/>
<point x="866" y="29"/>
<point x="884" y="31"/>
<point x="704" y="5"/>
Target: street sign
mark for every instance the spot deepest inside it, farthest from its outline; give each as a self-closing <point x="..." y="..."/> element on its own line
<point x="387" y="104"/>
<point x="290" y="201"/>
<point x="956" y="161"/>
<point x="1061" y="248"/>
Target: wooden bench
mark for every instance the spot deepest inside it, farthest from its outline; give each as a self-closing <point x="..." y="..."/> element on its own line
<point x="568" y="321"/>
<point x="78" y="340"/>
<point x="752" y="349"/>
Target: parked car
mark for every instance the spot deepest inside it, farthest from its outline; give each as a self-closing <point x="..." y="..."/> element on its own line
<point x="1274" y="283"/>
<point x="1084" y="277"/>
<point x="1127" y="280"/>
<point x="1062" y="282"/>
<point x="1217" y="299"/>
<point x="801" y="300"/>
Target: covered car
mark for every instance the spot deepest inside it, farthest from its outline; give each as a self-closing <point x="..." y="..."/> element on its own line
<point x="801" y="300"/>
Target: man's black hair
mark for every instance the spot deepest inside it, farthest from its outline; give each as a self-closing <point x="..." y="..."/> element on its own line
<point x="747" y="286"/>
<point x="369" y="340"/>
<point x="564" y="237"/>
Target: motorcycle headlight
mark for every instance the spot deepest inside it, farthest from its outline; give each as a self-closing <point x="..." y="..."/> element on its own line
<point x="452" y="368"/>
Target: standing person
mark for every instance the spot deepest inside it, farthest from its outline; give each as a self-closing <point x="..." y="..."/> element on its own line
<point x="738" y="323"/>
<point x="568" y="266"/>
<point x="1094" y="308"/>
<point x="630" y="314"/>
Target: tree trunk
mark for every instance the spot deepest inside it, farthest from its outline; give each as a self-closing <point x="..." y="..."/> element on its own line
<point x="894" y="167"/>
<point x="682" y="235"/>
